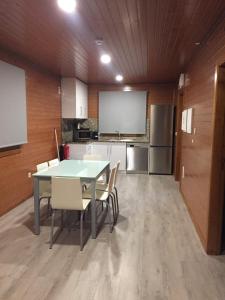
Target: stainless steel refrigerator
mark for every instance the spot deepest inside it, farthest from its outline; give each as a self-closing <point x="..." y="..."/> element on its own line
<point x="161" y="139"/>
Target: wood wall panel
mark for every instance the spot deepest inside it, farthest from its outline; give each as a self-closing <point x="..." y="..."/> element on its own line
<point x="197" y="156"/>
<point x="157" y="94"/>
<point x="43" y="115"/>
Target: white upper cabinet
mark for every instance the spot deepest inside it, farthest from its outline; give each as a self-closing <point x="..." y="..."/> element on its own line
<point x="81" y="100"/>
<point x="74" y="99"/>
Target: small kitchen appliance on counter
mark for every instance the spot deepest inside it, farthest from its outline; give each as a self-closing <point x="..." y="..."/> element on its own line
<point x="94" y="135"/>
<point x="82" y="134"/>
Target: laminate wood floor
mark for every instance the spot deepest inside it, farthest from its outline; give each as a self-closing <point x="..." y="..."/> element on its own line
<point x="152" y="254"/>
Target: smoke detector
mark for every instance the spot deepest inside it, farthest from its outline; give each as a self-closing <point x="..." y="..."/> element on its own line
<point x="99" y="42"/>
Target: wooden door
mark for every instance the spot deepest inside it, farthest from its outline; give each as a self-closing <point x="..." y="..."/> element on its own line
<point x="218" y="167"/>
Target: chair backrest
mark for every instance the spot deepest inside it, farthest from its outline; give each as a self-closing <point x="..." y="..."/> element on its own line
<point x="111" y="179"/>
<point x="42" y="167"/>
<point x="92" y="157"/>
<point x="66" y="193"/>
<point x="53" y="162"/>
<point x="117" y="169"/>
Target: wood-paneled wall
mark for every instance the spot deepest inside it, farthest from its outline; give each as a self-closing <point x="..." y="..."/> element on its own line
<point x="157" y="94"/>
<point x="43" y="115"/>
<point x="197" y="156"/>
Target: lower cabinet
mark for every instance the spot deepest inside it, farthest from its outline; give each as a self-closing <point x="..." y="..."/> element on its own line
<point x="108" y="151"/>
<point x="111" y="151"/>
<point x="77" y="151"/>
<point x="118" y="152"/>
<point x="101" y="149"/>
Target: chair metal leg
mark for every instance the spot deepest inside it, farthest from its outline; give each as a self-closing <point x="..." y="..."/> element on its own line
<point x="109" y="214"/>
<point x="52" y="229"/>
<point x="117" y="201"/>
<point x="113" y="207"/>
<point x="62" y="219"/>
<point x="49" y="208"/>
<point x="81" y="230"/>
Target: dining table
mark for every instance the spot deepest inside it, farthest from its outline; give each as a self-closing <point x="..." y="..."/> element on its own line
<point x="87" y="170"/>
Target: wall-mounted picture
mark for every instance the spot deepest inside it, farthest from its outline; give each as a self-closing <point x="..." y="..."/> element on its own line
<point x="189" y="120"/>
<point x="184" y="121"/>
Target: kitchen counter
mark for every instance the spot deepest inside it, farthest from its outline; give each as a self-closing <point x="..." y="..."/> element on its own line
<point x="124" y="140"/>
<point x="113" y="140"/>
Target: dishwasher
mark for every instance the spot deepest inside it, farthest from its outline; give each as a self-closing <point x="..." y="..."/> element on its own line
<point x="137" y="158"/>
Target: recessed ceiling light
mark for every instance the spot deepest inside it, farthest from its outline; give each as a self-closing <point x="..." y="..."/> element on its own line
<point x="105" y="59"/>
<point x="119" y="77"/>
<point x="127" y="88"/>
<point x="67" y="5"/>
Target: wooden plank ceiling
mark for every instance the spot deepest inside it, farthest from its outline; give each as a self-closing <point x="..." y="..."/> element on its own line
<point x="149" y="40"/>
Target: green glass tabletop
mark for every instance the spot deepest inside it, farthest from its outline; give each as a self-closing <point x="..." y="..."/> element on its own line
<point x="75" y="168"/>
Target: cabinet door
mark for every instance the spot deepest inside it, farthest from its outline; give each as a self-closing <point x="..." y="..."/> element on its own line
<point x="84" y="101"/>
<point x="118" y="152"/>
<point x="81" y="100"/>
<point x="68" y="98"/>
<point x="77" y="151"/>
<point x="101" y="149"/>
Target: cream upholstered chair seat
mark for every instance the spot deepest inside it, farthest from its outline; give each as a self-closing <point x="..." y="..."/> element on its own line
<point x="102" y="186"/>
<point x="100" y="195"/>
<point x="54" y="162"/>
<point x="92" y="157"/>
<point x="67" y="195"/>
<point x="44" y="185"/>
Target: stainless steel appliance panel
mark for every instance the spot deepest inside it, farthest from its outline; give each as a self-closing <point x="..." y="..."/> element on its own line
<point x="161" y="125"/>
<point x="137" y="158"/>
<point x="160" y="160"/>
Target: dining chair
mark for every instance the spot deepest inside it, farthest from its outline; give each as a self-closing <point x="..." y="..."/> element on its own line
<point x="44" y="186"/>
<point x="105" y="187"/>
<point x="101" y="179"/>
<point x="53" y="162"/>
<point x="92" y="157"/>
<point x="67" y="195"/>
<point x="104" y="196"/>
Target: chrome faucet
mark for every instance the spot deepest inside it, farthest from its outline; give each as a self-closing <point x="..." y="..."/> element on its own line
<point x="117" y="131"/>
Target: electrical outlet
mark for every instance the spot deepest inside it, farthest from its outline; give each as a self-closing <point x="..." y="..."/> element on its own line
<point x="29" y="174"/>
<point x="183" y="172"/>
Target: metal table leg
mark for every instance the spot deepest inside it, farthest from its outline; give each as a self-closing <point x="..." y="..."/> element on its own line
<point x="36" y="206"/>
<point x="93" y="210"/>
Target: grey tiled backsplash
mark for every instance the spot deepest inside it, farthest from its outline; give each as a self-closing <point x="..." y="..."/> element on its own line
<point x="68" y="126"/>
<point x="91" y="123"/>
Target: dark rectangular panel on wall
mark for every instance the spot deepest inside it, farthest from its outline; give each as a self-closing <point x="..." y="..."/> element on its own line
<point x="43" y="115"/>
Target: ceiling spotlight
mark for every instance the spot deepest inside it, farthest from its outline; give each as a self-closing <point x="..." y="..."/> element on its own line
<point x="105" y="59"/>
<point x="127" y="88"/>
<point x="119" y="77"/>
<point x="68" y="6"/>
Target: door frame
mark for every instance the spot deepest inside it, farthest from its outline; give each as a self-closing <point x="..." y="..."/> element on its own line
<point x="217" y="178"/>
<point x="178" y="135"/>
